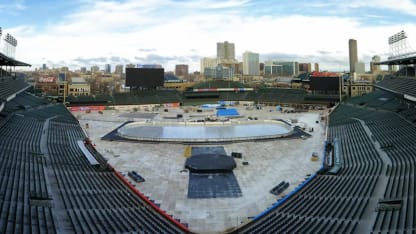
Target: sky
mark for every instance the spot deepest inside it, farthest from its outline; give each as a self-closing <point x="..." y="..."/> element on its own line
<point x="77" y="33"/>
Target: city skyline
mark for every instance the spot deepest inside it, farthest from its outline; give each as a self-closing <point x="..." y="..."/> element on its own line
<point x="86" y="33"/>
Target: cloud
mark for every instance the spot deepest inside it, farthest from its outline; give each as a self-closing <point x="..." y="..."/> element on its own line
<point x="168" y="32"/>
<point x="326" y="60"/>
<point x="167" y="61"/>
<point x="226" y="4"/>
<point x="146" y="50"/>
<point x="91" y="60"/>
<point x="350" y="7"/>
<point x="405" y="6"/>
<point x="10" y="7"/>
<point x="322" y="52"/>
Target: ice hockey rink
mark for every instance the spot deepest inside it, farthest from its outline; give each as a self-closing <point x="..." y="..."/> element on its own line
<point x="203" y="132"/>
<point x="264" y="164"/>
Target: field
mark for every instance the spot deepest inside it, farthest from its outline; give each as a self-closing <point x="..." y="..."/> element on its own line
<point x="162" y="164"/>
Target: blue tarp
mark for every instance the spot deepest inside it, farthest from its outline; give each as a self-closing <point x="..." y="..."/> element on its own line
<point x="232" y="112"/>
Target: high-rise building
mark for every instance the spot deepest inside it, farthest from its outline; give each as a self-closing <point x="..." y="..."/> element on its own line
<point x="276" y="68"/>
<point x="95" y="69"/>
<point x="251" y="63"/>
<point x="374" y="67"/>
<point x="107" y="68"/>
<point x="353" y="54"/>
<point x="181" y="70"/>
<point x="316" y="67"/>
<point x="219" y="72"/>
<point x="305" y="67"/>
<point x="149" y="66"/>
<point x="208" y="63"/>
<point x="225" y="52"/>
<point x="130" y="65"/>
<point x="359" y="67"/>
<point x="119" y="69"/>
<point x="83" y="70"/>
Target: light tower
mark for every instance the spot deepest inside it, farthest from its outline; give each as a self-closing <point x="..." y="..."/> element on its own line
<point x="9" y="45"/>
<point x="398" y="45"/>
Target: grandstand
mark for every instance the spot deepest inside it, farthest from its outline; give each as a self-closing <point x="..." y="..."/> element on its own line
<point x="49" y="186"/>
<point x="401" y="86"/>
<point x="374" y="190"/>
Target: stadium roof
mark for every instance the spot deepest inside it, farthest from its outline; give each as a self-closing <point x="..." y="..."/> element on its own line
<point x="402" y="61"/>
<point x="7" y="61"/>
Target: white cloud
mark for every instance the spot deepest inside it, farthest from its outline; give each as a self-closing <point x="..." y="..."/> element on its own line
<point x="176" y="31"/>
<point x="16" y="5"/>
<point x="227" y="4"/>
<point x="405" y="6"/>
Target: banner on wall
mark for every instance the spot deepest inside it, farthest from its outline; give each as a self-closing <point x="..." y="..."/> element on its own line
<point x="85" y="108"/>
<point x="174" y="104"/>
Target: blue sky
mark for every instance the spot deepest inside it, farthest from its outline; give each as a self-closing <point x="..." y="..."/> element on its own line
<point x="84" y="32"/>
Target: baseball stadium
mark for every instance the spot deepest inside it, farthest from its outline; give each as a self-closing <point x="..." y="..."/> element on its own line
<point x="218" y="158"/>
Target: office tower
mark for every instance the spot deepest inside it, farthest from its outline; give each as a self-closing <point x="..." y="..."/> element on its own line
<point x="119" y="69"/>
<point x="95" y="69"/>
<point x="353" y="54"/>
<point x="219" y="72"/>
<point x="130" y="65"/>
<point x="276" y="68"/>
<point x="360" y="67"/>
<point x="225" y="52"/>
<point x="83" y="70"/>
<point x="149" y="66"/>
<point x="316" y="67"/>
<point x="374" y="67"/>
<point x="181" y="70"/>
<point x="251" y="63"/>
<point x="208" y="63"/>
<point x="305" y="67"/>
<point x="107" y="68"/>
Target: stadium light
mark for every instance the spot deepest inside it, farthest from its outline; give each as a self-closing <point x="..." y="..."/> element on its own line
<point x="399" y="46"/>
<point x="397" y="37"/>
<point x="10" y="45"/>
<point x="11" y="40"/>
